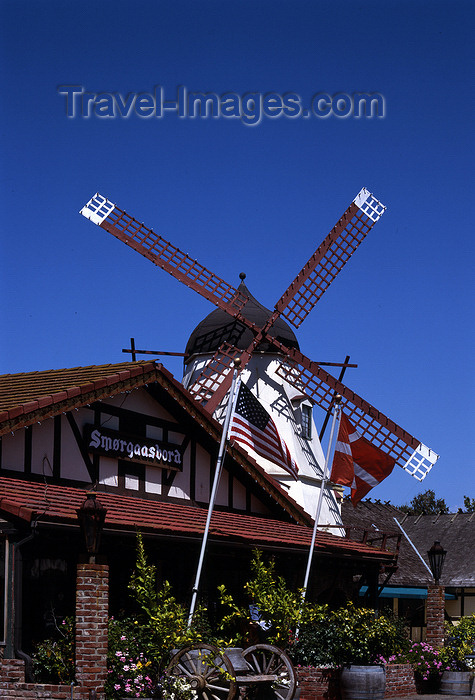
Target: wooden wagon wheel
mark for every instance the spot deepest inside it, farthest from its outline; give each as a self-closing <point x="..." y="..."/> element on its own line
<point x="206" y="669"/>
<point x="266" y="660"/>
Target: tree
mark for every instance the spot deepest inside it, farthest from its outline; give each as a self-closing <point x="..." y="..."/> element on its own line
<point x="469" y="504"/>
<point x="426" y="504"/>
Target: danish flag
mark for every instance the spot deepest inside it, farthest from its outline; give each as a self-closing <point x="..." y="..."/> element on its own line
<point x="357" y="462"/>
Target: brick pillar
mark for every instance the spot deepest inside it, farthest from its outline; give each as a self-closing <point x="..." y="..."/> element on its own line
<point x="92" y="599"/>
<point x="435" y="615"/>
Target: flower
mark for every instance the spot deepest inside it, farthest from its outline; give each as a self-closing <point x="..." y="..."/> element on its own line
<point x="423" y="658"/>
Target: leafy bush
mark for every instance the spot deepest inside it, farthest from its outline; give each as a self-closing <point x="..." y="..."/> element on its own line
<point x="140" y="646"/>
<point x="460" y="642"/>
<point x="164" y="619"/>
<point x="349" y="635"/>
<point x="325" y="638"/>
<point x="280" y="610"/>
<point x="317" y="643"/>
<point x="53" y="659"/>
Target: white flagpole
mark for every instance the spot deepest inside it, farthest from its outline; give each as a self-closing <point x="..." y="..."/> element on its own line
<point x="413" y="546"/>
<point x="229" y="411"/>
<point x="336" y="414"/>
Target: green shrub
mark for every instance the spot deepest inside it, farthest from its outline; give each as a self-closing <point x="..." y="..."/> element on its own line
<point x="280" y="609"/>
<point x="160" y="614"/>
<point x="53" y="659"/>
<point x="317" y="643"/>
<point x="349" y="635"/>
<point x="140" y="646"/>
<point x="460" y="642"/>
<point x="325" y="637"/>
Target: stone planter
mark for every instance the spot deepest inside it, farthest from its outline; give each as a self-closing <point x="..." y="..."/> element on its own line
<point x="363" y="683"/>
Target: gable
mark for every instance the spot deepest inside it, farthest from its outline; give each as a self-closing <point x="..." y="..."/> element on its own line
<point x="139" y="442"/>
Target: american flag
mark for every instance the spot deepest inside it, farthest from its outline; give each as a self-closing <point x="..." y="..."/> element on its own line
<point x="253" y="427"/>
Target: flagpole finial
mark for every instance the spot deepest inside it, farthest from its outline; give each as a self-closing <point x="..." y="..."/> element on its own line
<point x="237" y="362"/>
<point x="337" y="399"/>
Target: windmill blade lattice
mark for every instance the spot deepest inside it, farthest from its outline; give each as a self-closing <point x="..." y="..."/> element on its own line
<point x="214" y="372"/>
<point x="330" y="258"/>
<point x="295" y="304"/>
<point x="162" y="253"/>
<point x="409" y="453"/>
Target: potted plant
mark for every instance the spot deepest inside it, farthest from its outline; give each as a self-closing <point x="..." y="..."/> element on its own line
<point x="352" y="639"/>
<point x="362" y="637"/>
<point x="458" y="655"/>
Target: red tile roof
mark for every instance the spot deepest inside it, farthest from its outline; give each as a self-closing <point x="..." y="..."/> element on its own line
<point x="58" y="504"/>
<point x="31" y="397"/>
<point x="41" y="392"/>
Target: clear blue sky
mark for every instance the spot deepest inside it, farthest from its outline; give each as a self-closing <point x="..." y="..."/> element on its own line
<point x="257" y="199"/>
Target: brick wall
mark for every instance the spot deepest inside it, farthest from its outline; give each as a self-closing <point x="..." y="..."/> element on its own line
<point x="318" y="683"/>
<point x="399" y="680"/>
<point x="324" y="684"/>
<point x="38" y="691"/>
<point x="92" y="598"/>
<point x="13" y="686"/>
<point x="435" y="615"/>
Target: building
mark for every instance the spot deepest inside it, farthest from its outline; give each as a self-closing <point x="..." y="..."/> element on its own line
<point x="134" y="436"/>
<point x="405" y="593"/>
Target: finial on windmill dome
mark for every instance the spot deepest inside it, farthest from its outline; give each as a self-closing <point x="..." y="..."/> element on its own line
<point x="242" y="276"/>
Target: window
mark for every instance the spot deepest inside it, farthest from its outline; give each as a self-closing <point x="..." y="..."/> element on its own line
<point x="306" y="421"/>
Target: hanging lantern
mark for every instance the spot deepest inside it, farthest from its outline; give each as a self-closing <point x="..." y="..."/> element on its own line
<point x="436" y="556"/>
<point x="91" y="516"/>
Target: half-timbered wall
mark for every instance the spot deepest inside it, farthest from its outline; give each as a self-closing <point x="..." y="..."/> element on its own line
<point x="77" y="447"/>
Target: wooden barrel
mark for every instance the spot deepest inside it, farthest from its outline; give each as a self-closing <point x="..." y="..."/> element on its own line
<point x="363" y="683"/>
<point x="455" y="683"/>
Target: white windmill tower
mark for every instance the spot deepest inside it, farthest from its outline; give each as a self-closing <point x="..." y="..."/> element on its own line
<point x="289" y="407"/>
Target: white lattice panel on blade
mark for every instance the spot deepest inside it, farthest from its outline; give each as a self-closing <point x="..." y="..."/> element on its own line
<point x="421" y="462"/>
<point x="97" y="209"/>
<point x="368" y="204"/>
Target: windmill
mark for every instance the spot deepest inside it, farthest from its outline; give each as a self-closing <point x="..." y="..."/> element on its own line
<point x="209" y="379"/>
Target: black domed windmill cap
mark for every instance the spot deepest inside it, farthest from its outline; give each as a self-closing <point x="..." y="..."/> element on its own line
<point x="218" y="327"/>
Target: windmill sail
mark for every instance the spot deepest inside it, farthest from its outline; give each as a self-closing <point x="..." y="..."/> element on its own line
<point x="212" y="382"/>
